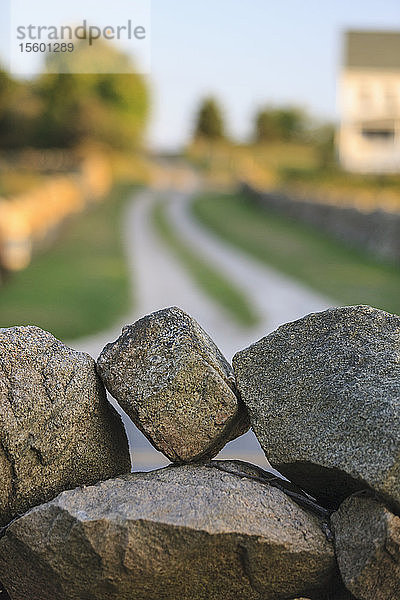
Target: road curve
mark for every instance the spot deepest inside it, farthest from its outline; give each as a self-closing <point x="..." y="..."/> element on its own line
<point x="277" y="298"/>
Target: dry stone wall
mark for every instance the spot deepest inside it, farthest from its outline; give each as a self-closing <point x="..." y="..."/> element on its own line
<point x="322" y="395"/>
<point x="377" y="232"/>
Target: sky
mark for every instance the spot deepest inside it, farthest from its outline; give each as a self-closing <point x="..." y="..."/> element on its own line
<point x="251" y="53"/>
<point x="247" y="53"/>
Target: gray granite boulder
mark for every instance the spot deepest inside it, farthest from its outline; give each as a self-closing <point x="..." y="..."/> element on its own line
<point x="367" y="543"/>
<point x="174" y="383"/>
<point x="188" y="531"/>
<point x="57" y="430"/>
<point x="323" y="395"/>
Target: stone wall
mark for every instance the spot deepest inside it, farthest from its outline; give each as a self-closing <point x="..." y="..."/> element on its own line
<point x="32" y="219"/>
<point x="321" y="395"/>
<point x="376" y="232"/>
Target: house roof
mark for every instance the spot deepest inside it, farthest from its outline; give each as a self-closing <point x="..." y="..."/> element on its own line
<point x="372" y="49"/>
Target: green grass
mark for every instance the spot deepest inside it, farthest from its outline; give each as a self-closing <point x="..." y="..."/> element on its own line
<point x="80" y="285"/>
<point x="210" y="280"/>
<point x="334" y="175"/>
<point x="345" y="275"/>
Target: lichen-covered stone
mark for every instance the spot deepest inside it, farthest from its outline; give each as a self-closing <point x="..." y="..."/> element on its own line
<point x="174" y="383"/>
<point x="367" y="543"/>
<point x="187" y="532"/>
<point x="57" y="429"/>
<point x="323" y="395"/>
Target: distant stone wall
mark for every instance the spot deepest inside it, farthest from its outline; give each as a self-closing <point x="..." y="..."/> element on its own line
<point x="377" y="232"/>
<point x="33" y="218"/>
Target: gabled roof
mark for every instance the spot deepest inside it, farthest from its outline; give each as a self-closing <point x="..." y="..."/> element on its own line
<point x="372" y="49"/>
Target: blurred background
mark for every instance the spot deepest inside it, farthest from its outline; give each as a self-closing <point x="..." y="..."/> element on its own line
<point x="252" y="177"/>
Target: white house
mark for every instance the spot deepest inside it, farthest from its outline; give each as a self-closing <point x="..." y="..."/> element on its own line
<point x="369" y="92"/>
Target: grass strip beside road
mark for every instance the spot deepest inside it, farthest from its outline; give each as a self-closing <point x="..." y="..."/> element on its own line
<point x="80" y="285"/>
<point x="347" y="276"/>
<point x="215" y="285"/>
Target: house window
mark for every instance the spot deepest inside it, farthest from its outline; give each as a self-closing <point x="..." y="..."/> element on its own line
<point x="378" y="134"/>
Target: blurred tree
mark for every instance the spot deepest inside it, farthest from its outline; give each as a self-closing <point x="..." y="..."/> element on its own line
<point x="111" y="107"/>
<point x="18" y="111"/>
<point x="210" y="122"/>
<point x="279" y="124"/>
<point x="7" y="86"/>
<point x="108" y="105"/>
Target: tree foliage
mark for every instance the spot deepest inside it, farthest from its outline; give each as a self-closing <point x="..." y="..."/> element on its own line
<point x="18" y="110"/>
<point x="77" y="107"/>
<point x="66" y="109"/>
<point x="279" y="124"/>
<point x="7" y="87"/>
<point x="210" y="121"/>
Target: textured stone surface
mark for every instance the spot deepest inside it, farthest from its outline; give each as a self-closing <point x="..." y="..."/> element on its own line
<point x="367" y="542"/>
<point x="186" y="532"/>
<point x="57" y="430"/>
<point x="323" y="394"/>
<point x="174" y="383"/>
<point x="3" y="593"/>
<point x="342" y="594"/>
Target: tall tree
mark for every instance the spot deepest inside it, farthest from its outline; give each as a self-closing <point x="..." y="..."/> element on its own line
<point x="210" y="121"/>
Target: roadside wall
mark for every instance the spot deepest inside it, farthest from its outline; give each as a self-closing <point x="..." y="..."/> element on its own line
<point x="377" y="232"/>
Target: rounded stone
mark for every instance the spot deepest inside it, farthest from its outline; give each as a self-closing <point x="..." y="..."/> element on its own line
<point x="174" y="383"/>
<point x="186" y="532"/>
<point x="323" y="395"/>
<point x="57" y="430"/>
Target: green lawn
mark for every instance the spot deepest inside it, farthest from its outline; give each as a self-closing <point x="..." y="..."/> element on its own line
<point x="80" y="285"/>
<point x="218" y="287"/>
<point x="345" y="275"/>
